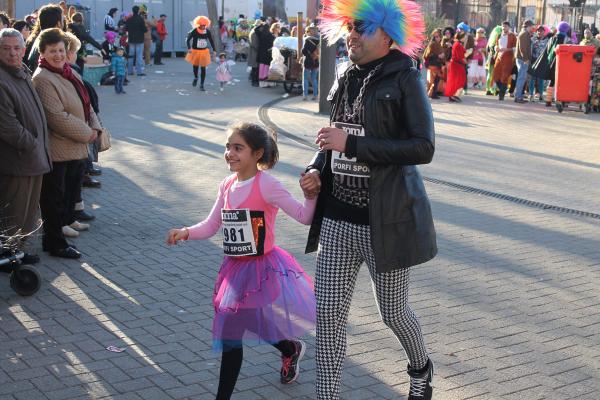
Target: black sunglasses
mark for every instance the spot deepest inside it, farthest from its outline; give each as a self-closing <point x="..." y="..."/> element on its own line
<point x="358" y="27"/>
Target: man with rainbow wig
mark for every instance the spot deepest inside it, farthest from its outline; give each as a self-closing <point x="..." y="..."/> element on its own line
<point x="372" y="206"/>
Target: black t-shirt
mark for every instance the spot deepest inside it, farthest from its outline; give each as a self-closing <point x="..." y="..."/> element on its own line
<point x="199" y="41"/>
<point x="348" y="199"/>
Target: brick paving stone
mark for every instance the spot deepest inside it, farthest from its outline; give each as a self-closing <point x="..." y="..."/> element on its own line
<point x="510" y="302"/>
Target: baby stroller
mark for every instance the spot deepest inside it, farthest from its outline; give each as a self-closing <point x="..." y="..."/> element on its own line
<point x="25" y="280"/>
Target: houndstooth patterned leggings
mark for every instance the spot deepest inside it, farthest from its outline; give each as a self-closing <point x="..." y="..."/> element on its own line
<point x="343" y="247"/>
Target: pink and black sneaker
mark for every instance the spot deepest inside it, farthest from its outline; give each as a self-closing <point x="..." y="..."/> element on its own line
<point x="290" y="366"/>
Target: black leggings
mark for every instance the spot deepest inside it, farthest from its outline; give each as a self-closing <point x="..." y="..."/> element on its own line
<point x="202" y="73"/>
<point x="231" y="363"/>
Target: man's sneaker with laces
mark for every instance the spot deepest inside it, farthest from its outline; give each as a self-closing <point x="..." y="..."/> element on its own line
<point x="290" y="366"/>
<point x="420" y="382"/>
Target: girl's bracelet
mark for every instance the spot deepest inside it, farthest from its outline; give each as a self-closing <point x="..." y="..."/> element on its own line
<point x="187" y="236"/>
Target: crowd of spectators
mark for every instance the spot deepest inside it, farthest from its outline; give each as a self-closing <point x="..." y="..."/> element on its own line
<point x="520" y="63"/>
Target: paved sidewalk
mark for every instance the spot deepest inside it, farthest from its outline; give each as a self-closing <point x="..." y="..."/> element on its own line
<point x="509" y="308"/>
<point x="523" y="150"/>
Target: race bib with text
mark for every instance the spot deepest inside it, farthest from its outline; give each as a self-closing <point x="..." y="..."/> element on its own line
<point x="344" y="165"/>
<point x="202" y="43"/>
<point x="243" y="232"/>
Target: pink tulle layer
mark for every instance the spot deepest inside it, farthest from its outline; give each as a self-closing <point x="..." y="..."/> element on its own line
<point x="262" y="299"/>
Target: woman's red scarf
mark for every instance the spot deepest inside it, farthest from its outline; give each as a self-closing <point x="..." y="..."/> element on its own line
<point x="67" y="73"/>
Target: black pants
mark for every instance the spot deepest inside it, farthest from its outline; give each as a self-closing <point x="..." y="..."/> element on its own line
<point x="254" y="75"/>
<point x="231" y="364"/>
<point x="158" y="52"/>
<point x="202" y="73"/>
<point x="85" y="169"/>
<point x="57" y="201"/>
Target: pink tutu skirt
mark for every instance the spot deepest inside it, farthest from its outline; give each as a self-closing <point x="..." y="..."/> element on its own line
<point x="223" y="76"/>
<point x="262" y="299"/>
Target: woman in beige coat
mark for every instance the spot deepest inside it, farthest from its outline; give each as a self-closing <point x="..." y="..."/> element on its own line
<point x="72" y="124"/>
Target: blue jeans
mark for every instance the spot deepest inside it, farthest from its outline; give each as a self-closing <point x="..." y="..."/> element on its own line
<point x="311" y="75"/>
<point x="536" y="83"/>
<point x="522" y="67"/>
<point x="136" y="52"/>
<point x="119" y="79"/>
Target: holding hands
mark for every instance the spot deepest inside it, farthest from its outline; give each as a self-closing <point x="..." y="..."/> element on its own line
<point x="175" y="235"/>
<point x="310" y="183"/>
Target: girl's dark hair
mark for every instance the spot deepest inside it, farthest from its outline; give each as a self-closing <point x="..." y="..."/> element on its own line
<point x="5" y="19"/>
<point x="257" y="137"/>
<point x="20" y="25"/>
<point x="48" y="17"/>
<point x="51" y="36"/>
<point x="112" y="11"/>
<point x="459" y="35"/>
<point x="77" y="18"/>
<point x="222" y="55"/>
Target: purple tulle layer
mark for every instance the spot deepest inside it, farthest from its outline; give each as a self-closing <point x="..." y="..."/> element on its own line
<point x="262" y="299"/>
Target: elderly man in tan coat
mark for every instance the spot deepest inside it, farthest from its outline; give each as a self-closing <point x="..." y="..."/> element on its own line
<point x="24" y="153"/>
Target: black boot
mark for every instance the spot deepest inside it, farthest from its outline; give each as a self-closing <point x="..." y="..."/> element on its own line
<point x="434" y="90"/>
<point x="420" y="382"/>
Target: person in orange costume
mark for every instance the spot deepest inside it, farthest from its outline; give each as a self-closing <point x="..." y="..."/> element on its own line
<point x="198" y="40"/>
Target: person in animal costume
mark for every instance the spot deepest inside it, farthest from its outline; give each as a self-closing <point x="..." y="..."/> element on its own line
<point x="381" y="128"/>
<point x="198" y="41"/>
<point x="490" y="88"/>
<point x="505" y="59"/>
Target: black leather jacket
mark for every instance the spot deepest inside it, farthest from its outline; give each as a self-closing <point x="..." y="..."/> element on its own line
<point x="399" y="134"/>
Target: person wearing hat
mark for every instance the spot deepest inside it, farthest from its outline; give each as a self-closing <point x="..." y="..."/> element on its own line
<point x="477" y="64"/>
<point x="469" y="45"/>
<point x="523" y="58"/>
<point x="381" y="129"/>
<point x="545" y="66"/>
<point x="198" y="40"/>
<point x="538" y="44"/>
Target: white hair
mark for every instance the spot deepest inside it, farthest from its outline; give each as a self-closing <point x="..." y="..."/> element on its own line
<point x="10" y="32"/>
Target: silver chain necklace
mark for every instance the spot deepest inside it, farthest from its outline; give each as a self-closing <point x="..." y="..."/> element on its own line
<point x="352" y="114"/>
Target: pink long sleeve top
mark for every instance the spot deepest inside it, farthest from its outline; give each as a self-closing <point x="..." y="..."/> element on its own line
<point x="273" y="193"/>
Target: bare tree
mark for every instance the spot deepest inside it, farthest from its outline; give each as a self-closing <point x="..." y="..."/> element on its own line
<point x="497" y="11"/>
<point x="274" y="8"/>
<point x="280" y="10"/>
<point x="213" y="15"/>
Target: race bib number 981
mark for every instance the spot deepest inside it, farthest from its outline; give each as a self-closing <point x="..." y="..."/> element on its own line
<point x="243" y="232"/>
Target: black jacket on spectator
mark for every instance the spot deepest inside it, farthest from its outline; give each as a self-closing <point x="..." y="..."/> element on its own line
<point x="135" y="27"/>
<point x="311" y="44"/>
<point x="265" y="44"/>
<point x="108" y="50"/>
<point x="84" y="36"/>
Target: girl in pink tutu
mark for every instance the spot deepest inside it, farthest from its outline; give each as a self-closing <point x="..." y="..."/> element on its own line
<point x="224" y="70"/>
<point x="262" y="295"/>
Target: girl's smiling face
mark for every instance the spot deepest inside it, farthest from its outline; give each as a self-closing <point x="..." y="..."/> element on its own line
<point x="240" y="157"/>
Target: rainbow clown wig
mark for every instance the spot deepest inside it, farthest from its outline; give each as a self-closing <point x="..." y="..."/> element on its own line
<point x="201" y="20"/>
<point x="400" y="19"/>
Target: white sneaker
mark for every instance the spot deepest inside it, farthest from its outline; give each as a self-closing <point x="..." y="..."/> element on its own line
<point x="80" y="226"/>
<point x="69" y="232"/>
